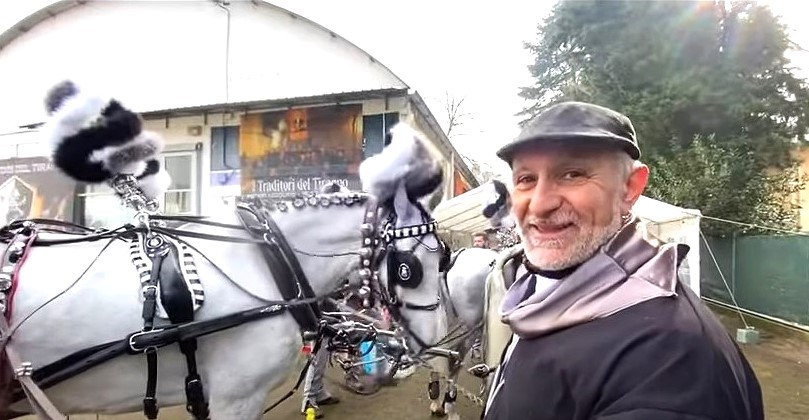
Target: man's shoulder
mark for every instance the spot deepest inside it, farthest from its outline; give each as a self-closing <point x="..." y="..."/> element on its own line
<point x="504" y="267"/>
<point x="658" y="326"/>
<point x="676" y="317"/>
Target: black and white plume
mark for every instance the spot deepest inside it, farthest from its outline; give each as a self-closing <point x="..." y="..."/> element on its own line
<point x="405" y="160"/>
<point x="497" y="204"/>
<point x="94" y="138"/>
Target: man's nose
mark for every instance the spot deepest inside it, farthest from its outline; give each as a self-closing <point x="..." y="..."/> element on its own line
<point x="545" y="198"/>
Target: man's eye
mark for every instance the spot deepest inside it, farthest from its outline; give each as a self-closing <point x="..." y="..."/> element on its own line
<point x="569" y="175"/>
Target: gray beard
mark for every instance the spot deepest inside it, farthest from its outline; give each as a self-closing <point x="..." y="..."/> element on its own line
<point x="586" y="248"/>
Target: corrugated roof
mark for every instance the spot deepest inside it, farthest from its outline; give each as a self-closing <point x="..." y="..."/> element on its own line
<point x="43" y="14"/>
<point x="182" y="75"/>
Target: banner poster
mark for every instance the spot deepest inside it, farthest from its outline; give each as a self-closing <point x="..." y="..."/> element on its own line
<point x="32" y="187"/>
<point x="461" y="186"/>
<point x="296" y="151"/>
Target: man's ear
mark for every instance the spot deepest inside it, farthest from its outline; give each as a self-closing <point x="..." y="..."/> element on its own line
<point x="635" y="184"/>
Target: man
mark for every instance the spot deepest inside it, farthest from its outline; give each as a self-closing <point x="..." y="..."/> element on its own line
<point x="603" y="328"/>
<point x="314" y="392"/>
<point x="480" y="240"/>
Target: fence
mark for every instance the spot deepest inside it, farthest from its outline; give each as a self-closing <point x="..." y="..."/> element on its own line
<point x="766" y="274"/>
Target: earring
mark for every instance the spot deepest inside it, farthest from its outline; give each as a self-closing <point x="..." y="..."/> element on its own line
<point x="626" y="217"/>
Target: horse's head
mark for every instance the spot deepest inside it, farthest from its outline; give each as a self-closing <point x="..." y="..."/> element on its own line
<point x="410" y="253"/>
<point x="497" y="205"/>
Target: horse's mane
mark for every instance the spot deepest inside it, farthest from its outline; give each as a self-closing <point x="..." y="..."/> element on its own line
<point x="323" y="199"/>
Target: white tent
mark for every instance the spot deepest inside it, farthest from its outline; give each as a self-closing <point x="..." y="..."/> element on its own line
<point x="663" y="221"/>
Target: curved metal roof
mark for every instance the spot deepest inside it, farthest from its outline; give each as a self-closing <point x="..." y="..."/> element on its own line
<point x="264" y="52"/>
<point x="57" y="7"/>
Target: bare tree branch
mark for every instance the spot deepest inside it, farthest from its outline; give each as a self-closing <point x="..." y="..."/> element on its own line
<point x="453" y="112"/>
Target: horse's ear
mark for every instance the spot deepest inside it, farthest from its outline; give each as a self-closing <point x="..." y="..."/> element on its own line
<point x="497" y="204"/>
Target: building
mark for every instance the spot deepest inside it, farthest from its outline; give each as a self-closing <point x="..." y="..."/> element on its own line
<point x="249" y="97"/>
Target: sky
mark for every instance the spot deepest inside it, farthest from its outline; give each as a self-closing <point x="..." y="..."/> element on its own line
<point x="469" y="50"/>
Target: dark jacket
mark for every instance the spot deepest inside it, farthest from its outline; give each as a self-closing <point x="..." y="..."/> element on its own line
<point x="621" y="339"/>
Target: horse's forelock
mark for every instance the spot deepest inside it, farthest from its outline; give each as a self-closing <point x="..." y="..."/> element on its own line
<point x="332" y="188"/>
<point x="424" y="179"/>
<point x="407" y="160"/>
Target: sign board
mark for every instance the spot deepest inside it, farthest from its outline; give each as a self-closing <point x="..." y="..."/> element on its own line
<point x="286" y="153"/>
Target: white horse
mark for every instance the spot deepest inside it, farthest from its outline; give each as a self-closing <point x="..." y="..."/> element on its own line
<point x="465" y="287"/>
<point x="73" y="296"/>
<point x="465" y="278"/>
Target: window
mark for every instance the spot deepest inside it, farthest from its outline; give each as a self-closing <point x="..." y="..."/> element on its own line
<point x="374" y="130"/>
<point x="180" y="198"/>
<point x="225" y="148"/>
<point x="99" y="206"/>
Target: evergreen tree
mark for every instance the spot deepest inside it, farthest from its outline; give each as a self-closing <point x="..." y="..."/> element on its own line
<point x="715" y="102"/>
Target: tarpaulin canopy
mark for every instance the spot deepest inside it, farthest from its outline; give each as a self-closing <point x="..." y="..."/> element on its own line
<point x="464" y="212"/>
<point x="665" y="222"/>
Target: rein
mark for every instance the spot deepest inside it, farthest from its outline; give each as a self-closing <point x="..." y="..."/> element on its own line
<point x="376" y="244"/>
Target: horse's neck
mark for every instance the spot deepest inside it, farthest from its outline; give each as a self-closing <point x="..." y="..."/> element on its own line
<point x="466" y="282"/>
<point x="325" y="241"/>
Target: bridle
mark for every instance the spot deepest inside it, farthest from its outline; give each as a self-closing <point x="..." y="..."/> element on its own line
<point x="385" y="250"/>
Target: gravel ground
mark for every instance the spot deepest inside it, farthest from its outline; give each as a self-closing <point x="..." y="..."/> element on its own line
<point x="781" y="361"/>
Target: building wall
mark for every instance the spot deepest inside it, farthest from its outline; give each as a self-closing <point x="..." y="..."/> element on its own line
<point x="164" y="56"/>
<point x="156" y="55"/>
<point x="178" y="137"/>
<point x="184" y="135"/>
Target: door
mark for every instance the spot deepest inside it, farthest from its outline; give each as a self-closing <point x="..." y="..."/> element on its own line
<point x="181" y="196"/>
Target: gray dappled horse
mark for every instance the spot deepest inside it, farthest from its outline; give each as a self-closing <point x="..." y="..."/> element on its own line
<point x="235" y="291"/>
<point x="465" y="285"/>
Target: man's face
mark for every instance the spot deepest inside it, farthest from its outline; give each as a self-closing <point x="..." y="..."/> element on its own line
<point x="479" y="242"/>
<point x="567" y="203"/>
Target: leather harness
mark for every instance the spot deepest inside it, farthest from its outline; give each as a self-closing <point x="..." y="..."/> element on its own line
<point x="298" y="298"/>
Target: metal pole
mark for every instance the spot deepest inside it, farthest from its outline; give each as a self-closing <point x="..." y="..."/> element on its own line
<point x="733" y="263"/>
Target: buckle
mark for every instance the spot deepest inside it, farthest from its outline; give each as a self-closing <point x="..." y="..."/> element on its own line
<point x="481" y="370"/>
<point x="132" y="338"/>
<point x="25" y="369"/>
<point x="149" y="288"/>
<point x="150" y="409"/>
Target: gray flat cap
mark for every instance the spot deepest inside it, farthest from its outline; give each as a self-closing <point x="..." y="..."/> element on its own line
<point x="577" y="123"/>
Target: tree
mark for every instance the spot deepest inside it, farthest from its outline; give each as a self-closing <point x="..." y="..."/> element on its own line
<point x="704" y="79"/>
<point x="725" y="180"/>
<point x="483" y="171"/>
<point x="456" y="117"/>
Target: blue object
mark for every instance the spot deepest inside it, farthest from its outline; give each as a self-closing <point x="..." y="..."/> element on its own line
<point x="368" y="350"/>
